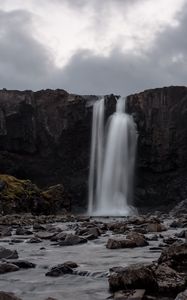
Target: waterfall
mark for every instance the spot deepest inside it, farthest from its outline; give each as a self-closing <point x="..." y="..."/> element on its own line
<point x="112" y="165"/>
<point x="96" y="161"/>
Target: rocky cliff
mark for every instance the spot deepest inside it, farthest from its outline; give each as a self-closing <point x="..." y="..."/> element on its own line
<point x="45" y="136"/>
<point x="161" y="117"/>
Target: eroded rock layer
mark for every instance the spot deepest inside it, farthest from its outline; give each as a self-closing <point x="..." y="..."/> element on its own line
<point x="161" y="117"/>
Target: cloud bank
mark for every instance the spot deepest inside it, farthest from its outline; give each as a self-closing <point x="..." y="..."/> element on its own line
<point x="122" y="55"/>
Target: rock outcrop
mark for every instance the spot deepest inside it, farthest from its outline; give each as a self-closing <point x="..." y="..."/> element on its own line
<point x="22" y="196"/>
<point x="161" y="117"/>
<point x="45" y="137"/>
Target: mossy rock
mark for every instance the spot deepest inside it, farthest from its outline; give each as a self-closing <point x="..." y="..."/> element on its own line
<point x="57" y="197"/>
<point x="20" y="196"/>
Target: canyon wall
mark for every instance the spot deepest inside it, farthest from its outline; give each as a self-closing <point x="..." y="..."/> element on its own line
<point x="45" y="136"/>
<point x="161" y="117"/>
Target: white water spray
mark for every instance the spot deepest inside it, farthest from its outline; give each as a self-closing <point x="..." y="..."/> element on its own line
<point x="96" y="161"/>
<point x="112" y="166"/>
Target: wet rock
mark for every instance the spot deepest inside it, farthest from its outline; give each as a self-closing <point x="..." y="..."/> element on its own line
<point x="137" y="220"/>
<point x="117" y="227"/>
<point x="59" y="237"/>
<point x="16" y="241"/>
<point x="5" y="231"/>
<point x="132" y="277"/>
<point x="141" y="230"/>
<point x="129" y="295"/>
<point x="83" y="218"/>
<point x="175" y="255"/>
<point x="138" y="238"/>
<point x="37" y="226"/>
<point x="34" y="240"/>
<point x="52" y="228"/>
<point x="155" y="227"/>
<point x="89" y="233"/>
<point x="71" y="264"/>
<point x="182" y="296"/>
<point x="44" y="235"/>
<point x="117" y="243"/>
<point x="8" y="296"/>
<point x="170" y="240"/>
<point x="177" y="223"/>
<point x="23" y="231"/>
<point x="169" y="281"/>
<point x="181" y="234"/>
<point x="71" y="240"/>
<point x="153" y="237"/>
<point x="8" y="267"/>
<point x="59" y="270"/>
<point x="23" y="264"/>
<point x="7" y="253"/>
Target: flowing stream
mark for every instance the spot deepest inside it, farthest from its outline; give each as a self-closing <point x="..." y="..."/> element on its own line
<point x="92" y="257"/>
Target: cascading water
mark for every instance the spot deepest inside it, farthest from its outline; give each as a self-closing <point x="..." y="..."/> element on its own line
<point x="96" y="161"/>
<point x="112" y="166"/>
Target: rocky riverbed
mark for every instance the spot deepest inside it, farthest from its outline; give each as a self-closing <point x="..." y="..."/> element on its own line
<point x="77" y="257"/>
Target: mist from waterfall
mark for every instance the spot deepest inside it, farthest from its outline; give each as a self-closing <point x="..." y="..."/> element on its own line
<point x="112" y="163"/>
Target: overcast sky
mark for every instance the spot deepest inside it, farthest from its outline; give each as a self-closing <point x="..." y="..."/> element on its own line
<point x="93" y="46"/>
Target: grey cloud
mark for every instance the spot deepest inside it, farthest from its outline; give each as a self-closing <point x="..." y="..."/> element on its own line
<point x="127" y="73"/>
<point x="24" y="62"/>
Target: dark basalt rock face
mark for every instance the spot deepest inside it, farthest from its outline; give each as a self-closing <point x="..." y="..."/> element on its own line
<point x="161" y="117"/>
<point x="45" y="137"/>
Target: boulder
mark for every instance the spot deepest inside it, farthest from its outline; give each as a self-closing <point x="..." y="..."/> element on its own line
<point x="8" y="296"/>
<point x="129" y="295"/>
<point x="120" y="243"/>
<point x="20" y="196"/>
<point x="133" y="277"/>
<point x="175" y="255"/>
<point x="155" y="227"/>
<point x="71" y="264"/>
<point x="34" y="240"/>
<point x="71" y="240"/>
<point x="90" y="233"/>
<point x="44" y="235"/>
<point x="59" y="270"/>
<point x="169" y="281"/>
<point x="7" y="253"/>
<point x="8" y="267"/>
<point x="59" y="236"/>
<point x="23" y="264"/>
<point x="138" y="238"/>
<point x="5" y="231"/>
<point x="23" y="231"/>
<point x="117" y="227"/>
<point x="58" y="199"/>
<point x="182" y="296"/>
